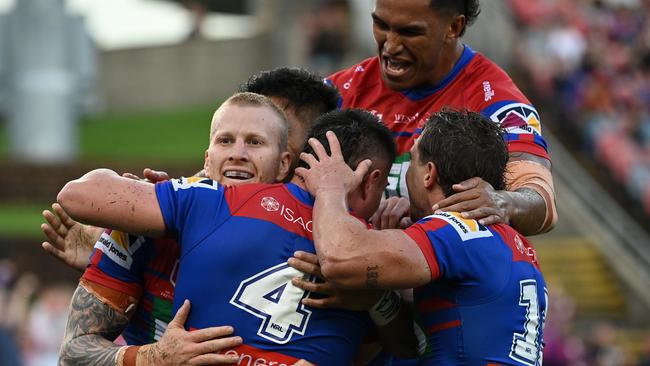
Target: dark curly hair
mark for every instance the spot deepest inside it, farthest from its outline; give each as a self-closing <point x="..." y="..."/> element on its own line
<point x="304" y="92"/>
<point x="469" y="8"/>
<point x="464" y="145"/>
<point x="361" y="135"/>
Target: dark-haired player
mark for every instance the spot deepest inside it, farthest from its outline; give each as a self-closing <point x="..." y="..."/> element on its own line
<point x="238" y="240"/>
<point x="421" y="67"/>
<point x="479" y="291"/>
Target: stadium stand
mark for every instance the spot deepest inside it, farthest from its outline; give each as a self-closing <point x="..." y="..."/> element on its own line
<point x="593" y="58"/>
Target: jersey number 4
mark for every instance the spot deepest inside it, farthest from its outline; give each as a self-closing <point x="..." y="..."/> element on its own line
<point x="526" y="347"/>
<point x="270" y="296"/>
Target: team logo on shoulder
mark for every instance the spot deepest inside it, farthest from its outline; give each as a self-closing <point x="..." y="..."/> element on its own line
<point x="270" y="204"/>
<point x="518" y="118"/>
<point x="201" y="182"/>
<point x="466" y="229"/>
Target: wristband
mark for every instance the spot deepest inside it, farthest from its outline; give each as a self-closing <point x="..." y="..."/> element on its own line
<point x="131" y="356"/>
<point x="119" y="356"/>
<point x="386" y="309"/>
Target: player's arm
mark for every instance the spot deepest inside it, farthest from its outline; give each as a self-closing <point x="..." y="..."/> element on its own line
<point x="105" y="199"/>
<point x="392" y="315"/>
<point x="353" y="256"/>
<point x="95" y="320"/>
<point x="528" y="204"/>
<point x="92" y="326"/>
<point x="350" y="254"/>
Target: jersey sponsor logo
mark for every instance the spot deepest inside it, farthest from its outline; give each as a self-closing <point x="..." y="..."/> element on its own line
<point x="488" y="93"/>
<point x="406" y="119"/>
<point x="518" y="118"/>
<point x="200" y="182"/>
<point x="117" y="246"/>
<point x="466" y="229"/>
<point x="271" y="204"/>
<point x="251" y="356"/>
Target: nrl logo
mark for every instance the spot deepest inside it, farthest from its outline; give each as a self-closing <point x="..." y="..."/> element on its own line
<point x="270" y="204"/>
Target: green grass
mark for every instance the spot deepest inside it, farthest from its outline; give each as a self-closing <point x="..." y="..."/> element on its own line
<point x="179" y="136"/>
<point x="22" y="220"/>
<point x="156" y="139"/>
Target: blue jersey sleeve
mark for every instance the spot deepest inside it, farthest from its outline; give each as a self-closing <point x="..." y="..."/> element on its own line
<point x="192" y="208"/>
<point x="461" y="250"/>
<point x="118" y="261"/>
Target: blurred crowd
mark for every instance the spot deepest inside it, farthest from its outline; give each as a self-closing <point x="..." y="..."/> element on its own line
<point x="595" y="343"/>
<point x="593" y="58"/>
<point x="32" y="318"/>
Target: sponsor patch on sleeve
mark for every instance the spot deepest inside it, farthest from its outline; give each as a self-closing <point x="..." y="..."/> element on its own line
<point x="466" y="229"/>
<point x="201" y="182"/>
<point x="119" y="246"/>
<point x="518" y="118"/>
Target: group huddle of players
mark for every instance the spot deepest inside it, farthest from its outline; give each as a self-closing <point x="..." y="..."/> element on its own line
<point x="318" y="209"/>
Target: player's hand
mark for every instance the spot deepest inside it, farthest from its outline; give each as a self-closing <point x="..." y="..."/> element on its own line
<point x="330" y="172"/>
<point x="150" y="175"/>
<point x="68" y="240"/>
<point x="476" y="199"/>
<point x="393" y="213"/>
<point x="180" y="347"/>
<point x="355" y="300"/>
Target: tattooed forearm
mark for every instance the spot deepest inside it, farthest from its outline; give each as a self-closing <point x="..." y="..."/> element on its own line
<point x="372" y="276"/>
<point x="92" y="325"/>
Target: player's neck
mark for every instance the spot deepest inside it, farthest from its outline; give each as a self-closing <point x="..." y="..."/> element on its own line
<point x="448" y="62"/>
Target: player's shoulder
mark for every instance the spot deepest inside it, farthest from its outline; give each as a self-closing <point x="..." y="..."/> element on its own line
<point x="242" y="195"/>
<point x="357" y="75"/>
<point x="453" y="226"/>
<point x="490" y="83"/>
<point x="360" y="67"/>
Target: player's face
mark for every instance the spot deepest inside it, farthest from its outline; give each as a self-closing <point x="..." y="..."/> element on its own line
<point x="415" y="185"/>
<point x="410" y="38"/>
<point x="245" y="146"/>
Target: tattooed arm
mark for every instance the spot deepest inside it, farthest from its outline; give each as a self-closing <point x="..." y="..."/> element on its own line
<point x="92" y="325"/>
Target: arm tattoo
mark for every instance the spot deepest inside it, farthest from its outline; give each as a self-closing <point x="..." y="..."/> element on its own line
<point x="372" y="276"/>
<point x="92" y="325"/>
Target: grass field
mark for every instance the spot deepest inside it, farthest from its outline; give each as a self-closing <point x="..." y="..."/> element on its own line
<point x="155" y="138"/>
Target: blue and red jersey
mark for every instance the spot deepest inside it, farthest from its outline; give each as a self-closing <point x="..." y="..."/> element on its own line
<point x="487" y="301"/>
<point x="475" y="83"/>
<point x="143" y="268"/>
<point x="235" y="243"/>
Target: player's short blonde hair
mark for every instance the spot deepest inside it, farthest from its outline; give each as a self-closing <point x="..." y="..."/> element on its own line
<point x="258" y="100"/>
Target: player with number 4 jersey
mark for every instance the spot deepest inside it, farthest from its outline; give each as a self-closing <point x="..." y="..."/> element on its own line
<point x="238" y="241"/>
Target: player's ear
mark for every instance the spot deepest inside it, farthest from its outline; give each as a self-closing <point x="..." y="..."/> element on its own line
<point x="206" y="159"/>
<point x="456" y="27"/>
<point x="431" y="176"/>
<point x="369" y="184"/>
<point x="284" y="166"/>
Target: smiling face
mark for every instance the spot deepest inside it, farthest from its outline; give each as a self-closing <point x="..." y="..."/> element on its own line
<point x="245" y="146"/>
<point x="411" y="39"/>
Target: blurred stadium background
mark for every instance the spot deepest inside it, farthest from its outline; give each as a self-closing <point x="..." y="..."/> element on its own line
<point x="129" y="84"/>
